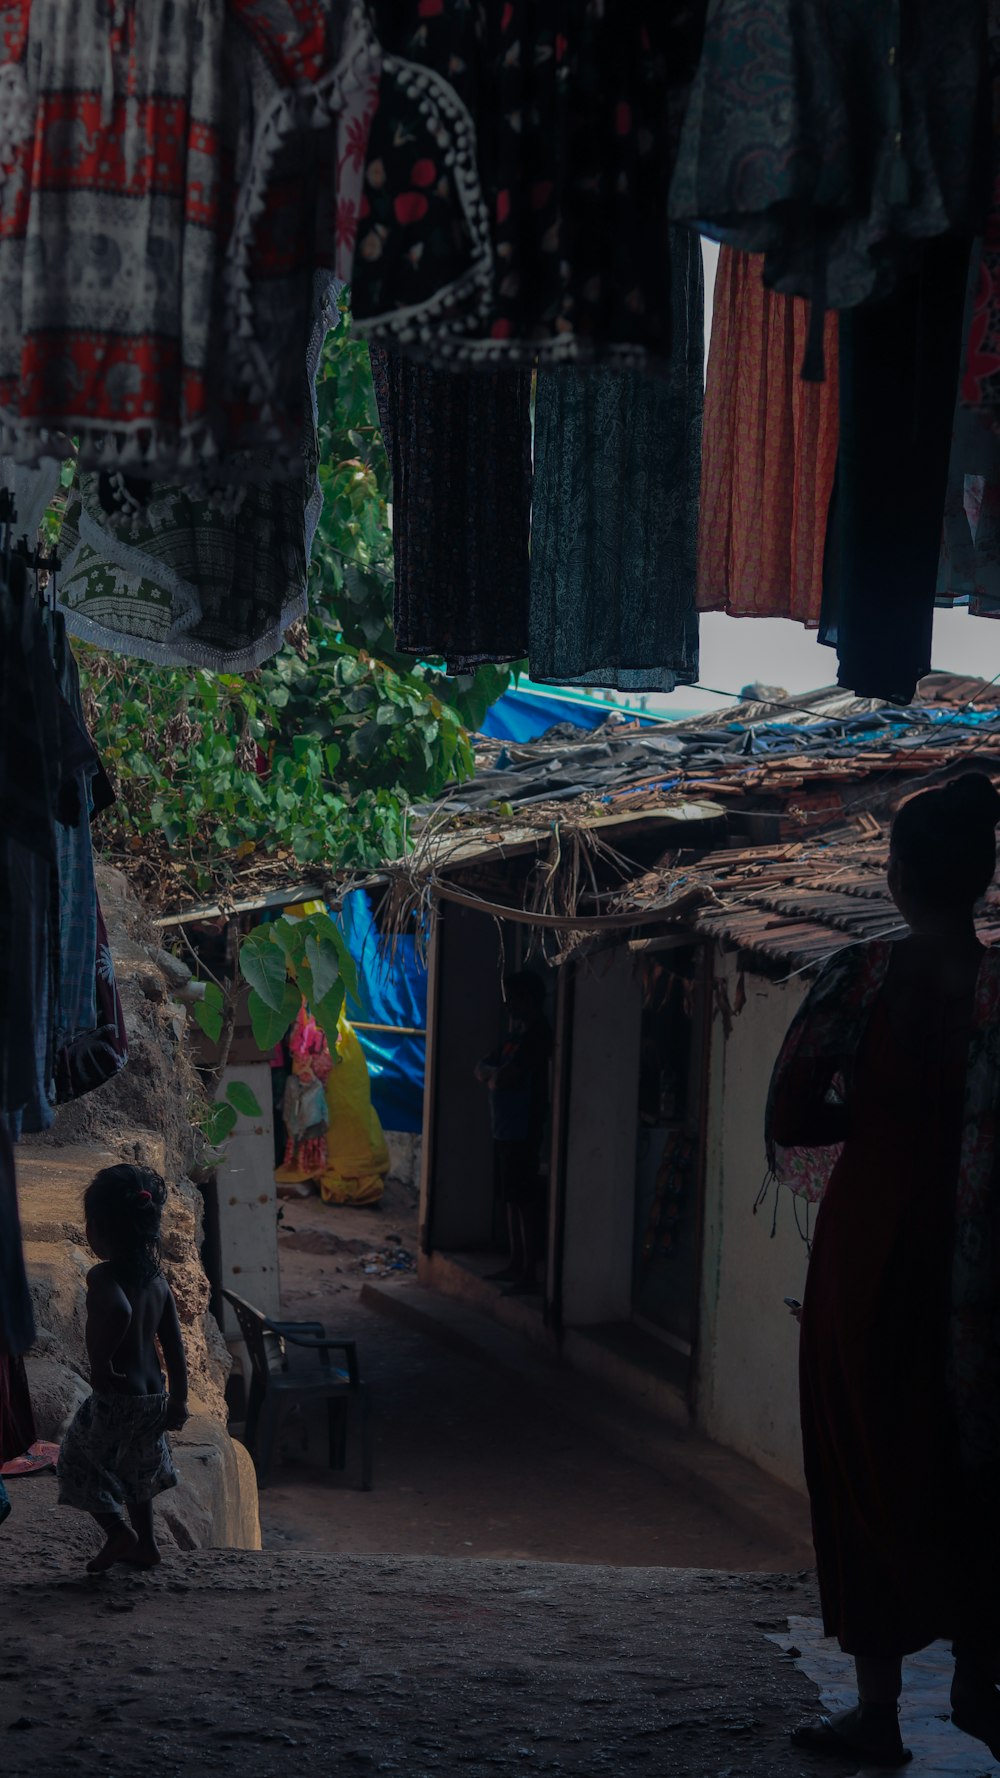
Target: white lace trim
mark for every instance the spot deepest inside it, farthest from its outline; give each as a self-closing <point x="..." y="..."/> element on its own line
<point x="184" y="653"/>
<point x="458" y="147"/>
<point x="312" y="107"/>
<point x="176" y="648"/>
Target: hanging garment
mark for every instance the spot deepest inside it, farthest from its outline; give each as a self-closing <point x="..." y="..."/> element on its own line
<point x="33" y="489"/>
<point x="899" y="362"/>
<point x="17" y="1322"/>
<point x="769" y="452"/>
<point x="615" y="516"/>
<point x="304" y="1110"/>
<point x="533" y="226"/>
<point x="17" y="1421"/>
<point x="969" y="569"/>
<point x="187" y="577"/>
<point x="980" y="387"/>
<point x="833" y="138"/>
<point x="95" y="1055"/>
<point x="459" y="446"/>
<point x="357" y="1156"/>
<point x="76" y="1004"/>
<point x="29" y="791"/>
<point x="168" y="188"/>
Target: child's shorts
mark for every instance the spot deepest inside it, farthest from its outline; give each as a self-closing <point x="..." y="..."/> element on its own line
<point x="115" y="1454"/>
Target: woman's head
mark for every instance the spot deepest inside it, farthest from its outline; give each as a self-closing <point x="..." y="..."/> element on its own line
<point x="943" y="849"/>
<point x="123" y="1206"/>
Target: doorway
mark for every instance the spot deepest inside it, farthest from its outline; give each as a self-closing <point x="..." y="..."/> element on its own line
<point x="667" y="1239"/>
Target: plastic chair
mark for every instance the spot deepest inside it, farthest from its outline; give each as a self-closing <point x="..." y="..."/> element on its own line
<point x="275" y="1387"/>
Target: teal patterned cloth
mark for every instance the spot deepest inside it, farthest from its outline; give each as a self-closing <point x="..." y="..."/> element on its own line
<point x="614" y="537"/>
<point x="834" y="138"/>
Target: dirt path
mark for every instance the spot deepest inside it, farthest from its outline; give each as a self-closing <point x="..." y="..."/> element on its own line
<point x="469" y="1461"/>
<point x="277" y="1665"/>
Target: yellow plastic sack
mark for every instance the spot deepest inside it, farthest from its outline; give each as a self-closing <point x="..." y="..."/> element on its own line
<point x="357" y="1156"/>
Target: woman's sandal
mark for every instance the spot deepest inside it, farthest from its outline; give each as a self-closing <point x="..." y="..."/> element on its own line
<point x="826" y="1737"/>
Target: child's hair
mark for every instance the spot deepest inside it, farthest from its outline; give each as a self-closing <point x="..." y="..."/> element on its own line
<point x="124" y="1205"/>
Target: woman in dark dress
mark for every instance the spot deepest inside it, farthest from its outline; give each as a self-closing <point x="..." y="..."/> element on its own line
<point x="885" y="1104"/>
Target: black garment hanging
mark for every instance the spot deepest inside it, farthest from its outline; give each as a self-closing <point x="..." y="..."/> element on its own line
<point x="899" y="365"/>
<point x="459" y="445"/>
<point x="614" y="536"/>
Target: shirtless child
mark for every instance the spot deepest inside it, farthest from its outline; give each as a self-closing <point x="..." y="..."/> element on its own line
<point x="115" y="1454"/>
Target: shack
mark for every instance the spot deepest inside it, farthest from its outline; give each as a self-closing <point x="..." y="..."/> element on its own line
<point x="678" y="893"/>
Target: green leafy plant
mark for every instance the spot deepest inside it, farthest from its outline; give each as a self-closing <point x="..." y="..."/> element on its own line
<point x="319" y="755"/>
<point x="217" y="1119"/>
<point x="286" y="961"/>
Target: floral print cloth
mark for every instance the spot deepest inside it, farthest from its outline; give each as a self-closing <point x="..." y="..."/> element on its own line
<point x="817" y="1057"/>
<point x="533" y="224"/>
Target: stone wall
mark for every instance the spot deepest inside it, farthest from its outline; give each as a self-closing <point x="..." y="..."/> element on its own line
<point x="142" y="1115"/>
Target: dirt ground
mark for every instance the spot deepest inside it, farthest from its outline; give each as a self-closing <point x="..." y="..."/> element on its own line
<point x="587" y="1638"/>
<point x="269" y="1666"/>
<point x="468" y="1461"/>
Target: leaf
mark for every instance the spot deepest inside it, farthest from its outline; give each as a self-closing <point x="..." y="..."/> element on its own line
<point x="244" y="1100"/>
<point x="263" y="966"/>
<point x="269" y="1027"/>
<point x="209" y="1017"/>
<point x="327" y="1013"/>
<point x="218" y="1124"/>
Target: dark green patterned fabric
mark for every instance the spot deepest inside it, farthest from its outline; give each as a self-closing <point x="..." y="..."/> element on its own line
<point x="614" y="538"/>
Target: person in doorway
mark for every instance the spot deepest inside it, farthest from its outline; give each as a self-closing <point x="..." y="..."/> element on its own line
<point x="115" y="1458"/>
<point x="517" y="1078"/>
<point x="884" y="1105"/>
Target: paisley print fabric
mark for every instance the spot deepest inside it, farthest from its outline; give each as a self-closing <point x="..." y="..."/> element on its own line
<point x="831" y="137"/>
<point x="615" y="520"/>
<point x="168" y="184"/>
<point x="459" y="445"/>
<point x="569" y="116"/>
<point x="769" y="453"/>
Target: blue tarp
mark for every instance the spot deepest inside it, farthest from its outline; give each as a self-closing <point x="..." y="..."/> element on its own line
<point x="392" y="991"/>
<point x="524" y="713"/>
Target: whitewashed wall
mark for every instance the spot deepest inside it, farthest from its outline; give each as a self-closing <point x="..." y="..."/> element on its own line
<point x="747" y="1382"/>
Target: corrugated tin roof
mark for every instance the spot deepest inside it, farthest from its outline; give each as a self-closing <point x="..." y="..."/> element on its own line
<point x="793" y="905"/>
